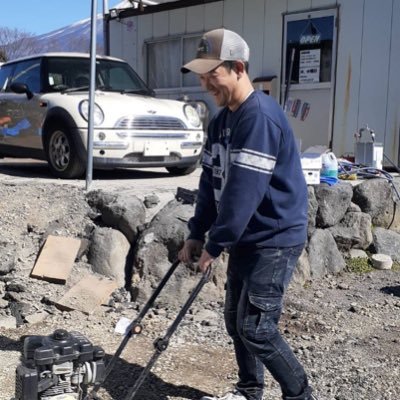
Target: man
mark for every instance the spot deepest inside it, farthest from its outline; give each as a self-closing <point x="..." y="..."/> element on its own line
<point x="5" y="120"/>
<point x="252" y="201"/>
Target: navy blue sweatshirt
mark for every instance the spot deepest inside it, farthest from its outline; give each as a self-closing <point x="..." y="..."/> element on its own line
<point x="252" y="191"/>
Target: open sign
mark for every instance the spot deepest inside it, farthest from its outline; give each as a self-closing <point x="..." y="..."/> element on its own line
<point x="310" y="39"/>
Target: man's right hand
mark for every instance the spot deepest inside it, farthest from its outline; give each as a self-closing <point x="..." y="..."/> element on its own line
<point x="190" y="251"/>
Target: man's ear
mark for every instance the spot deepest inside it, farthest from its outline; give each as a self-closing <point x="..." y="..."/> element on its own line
<point x="239" y="68"/>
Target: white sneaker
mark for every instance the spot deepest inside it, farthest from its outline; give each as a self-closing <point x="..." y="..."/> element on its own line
<point x="235" y="395"/>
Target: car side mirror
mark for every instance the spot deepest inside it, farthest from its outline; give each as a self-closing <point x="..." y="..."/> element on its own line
<point x="20" y="88"/>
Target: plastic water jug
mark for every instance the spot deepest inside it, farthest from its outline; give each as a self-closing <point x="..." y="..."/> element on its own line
<point x="329" y="165"/>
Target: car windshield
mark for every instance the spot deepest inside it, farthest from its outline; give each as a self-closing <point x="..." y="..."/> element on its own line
<point x="67" y="74"/>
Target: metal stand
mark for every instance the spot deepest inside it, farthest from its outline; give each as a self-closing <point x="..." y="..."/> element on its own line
<point x="160" y="344"/>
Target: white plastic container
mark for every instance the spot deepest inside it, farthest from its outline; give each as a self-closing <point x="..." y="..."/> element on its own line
<point x="311" y="165"/>
<point x="329" y="165"/>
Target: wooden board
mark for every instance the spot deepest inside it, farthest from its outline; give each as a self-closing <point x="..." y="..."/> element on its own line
<point x="56" y="259"/>
<point x="90" y="292"/>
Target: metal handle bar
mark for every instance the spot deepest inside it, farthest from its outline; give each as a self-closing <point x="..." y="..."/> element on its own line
<point x="135" y="328"/>
<point x="161" y="344"/>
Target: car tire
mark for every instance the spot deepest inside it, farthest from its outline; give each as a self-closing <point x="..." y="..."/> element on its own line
<point x="180" y="171"/>
<point x="62" y="155"/>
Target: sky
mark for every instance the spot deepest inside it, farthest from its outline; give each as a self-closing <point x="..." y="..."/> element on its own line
<point x="43" y="16"/>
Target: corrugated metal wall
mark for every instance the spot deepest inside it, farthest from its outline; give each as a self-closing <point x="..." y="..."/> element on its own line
<point x="368" y="59"/>
<point x="367" y="79"/>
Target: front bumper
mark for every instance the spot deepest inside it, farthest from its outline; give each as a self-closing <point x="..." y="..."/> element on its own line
<point x="138" y="161"/>
<point x="145" y="149"/>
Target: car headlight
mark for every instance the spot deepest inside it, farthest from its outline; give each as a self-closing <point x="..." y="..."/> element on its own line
<point x="98" y="115"/>
<point x="192" y="115"/>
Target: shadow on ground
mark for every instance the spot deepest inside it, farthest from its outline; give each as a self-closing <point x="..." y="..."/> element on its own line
<point x="39" y="169"/>
<point x="124" y="375"/>
<point x="7" y="344"/>
<point x="392" y="290"/>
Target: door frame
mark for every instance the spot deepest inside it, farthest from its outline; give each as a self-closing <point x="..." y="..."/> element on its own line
<point x="302" y="15"/>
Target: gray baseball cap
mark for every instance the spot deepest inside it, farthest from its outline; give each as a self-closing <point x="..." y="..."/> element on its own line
<point x="215" y="47"/>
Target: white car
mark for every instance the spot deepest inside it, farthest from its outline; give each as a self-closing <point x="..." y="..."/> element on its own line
<point x="44" y="107"/>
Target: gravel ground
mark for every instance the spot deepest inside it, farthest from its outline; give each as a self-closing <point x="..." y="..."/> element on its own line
<point x="344" y="328"/>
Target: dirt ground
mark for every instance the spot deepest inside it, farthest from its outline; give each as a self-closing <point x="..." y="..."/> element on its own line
<point x="345" y="328"/>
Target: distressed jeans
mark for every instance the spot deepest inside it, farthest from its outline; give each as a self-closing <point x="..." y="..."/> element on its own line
<point x="257" y="280"/>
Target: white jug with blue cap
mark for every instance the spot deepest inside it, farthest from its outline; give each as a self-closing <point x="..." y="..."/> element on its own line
<point x="329" y="165"/>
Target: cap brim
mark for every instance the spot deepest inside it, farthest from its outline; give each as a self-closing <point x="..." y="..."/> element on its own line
<point x="201" y="65"/>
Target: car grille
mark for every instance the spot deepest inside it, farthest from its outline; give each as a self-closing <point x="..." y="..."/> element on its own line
<point x="151" y="123"/>
<point x="138" y="157"/>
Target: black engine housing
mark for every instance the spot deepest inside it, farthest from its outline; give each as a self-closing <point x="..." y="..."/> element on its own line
<point x="59" y="364"/>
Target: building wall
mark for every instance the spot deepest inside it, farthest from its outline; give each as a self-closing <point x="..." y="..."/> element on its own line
<point x="367" y="82"/>
<point x="368" y="58"/>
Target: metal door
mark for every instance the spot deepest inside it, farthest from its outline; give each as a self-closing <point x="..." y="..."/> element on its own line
<point x="309" y="64"/>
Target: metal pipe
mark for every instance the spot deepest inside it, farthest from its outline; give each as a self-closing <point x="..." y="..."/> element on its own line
<point x="106" y="28"/>
<point x="289" y="79"/>
<point x="92" y="87"/>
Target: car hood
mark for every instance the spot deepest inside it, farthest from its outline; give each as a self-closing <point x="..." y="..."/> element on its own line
<point x="143" y="104"/>
<point x="116" y="105"/>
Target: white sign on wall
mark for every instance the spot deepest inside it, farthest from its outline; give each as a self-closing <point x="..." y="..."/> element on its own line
<point x="309" y="66"/>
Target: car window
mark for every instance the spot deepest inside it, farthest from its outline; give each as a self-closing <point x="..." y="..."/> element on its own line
<point x="63" y="73"/>
<point x="5" y="72"/>
<point x="28" y="72"/>
<point x="66" y="73"/>
<point x="119" y="76"/>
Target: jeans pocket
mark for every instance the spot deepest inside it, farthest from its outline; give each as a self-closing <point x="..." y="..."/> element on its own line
<point x="262" y="315"/>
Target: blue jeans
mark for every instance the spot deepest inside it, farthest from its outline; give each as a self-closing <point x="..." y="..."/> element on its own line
<point x="257" y="280"/>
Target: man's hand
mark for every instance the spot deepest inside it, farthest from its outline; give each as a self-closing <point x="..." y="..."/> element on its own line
<point x="205" y="260"/>
<point x="190" y="250"/>
<point x="5" y="120"/>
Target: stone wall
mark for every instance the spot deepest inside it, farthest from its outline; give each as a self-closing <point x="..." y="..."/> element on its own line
<point x="342" y="219"/>
<point x="346" y="217"/>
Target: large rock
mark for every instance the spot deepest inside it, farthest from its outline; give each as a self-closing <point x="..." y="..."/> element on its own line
<point x="7" y="257"/>
<point x="302" y="273"/>
<point x="312" y="210"/>
<point x="375" y="197"/>
<point x="109" y="254"/>
<point x="333" y="202"/>
<point x="323" y="254"/>
<point x="157" y="249"/>
<point x="353" y="231"/>
<point x="387" y="242"/>
<point x="126" y="213"/>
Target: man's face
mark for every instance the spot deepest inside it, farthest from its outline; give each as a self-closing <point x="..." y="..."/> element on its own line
<point x="221" y="84"/>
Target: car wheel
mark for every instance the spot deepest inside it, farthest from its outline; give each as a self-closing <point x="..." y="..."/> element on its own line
<point x="62" y="154"/>
<point x="179" y="171"/>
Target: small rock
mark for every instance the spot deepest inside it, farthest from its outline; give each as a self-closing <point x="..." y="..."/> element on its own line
<point x="148" y="238"/>
<point x="15" y="287"/>
<point x="381" y="261"/>
<point x="36" y="318"/>
<point x="3" y="303"/>
<point x="319" y="295"/>
<point x="343" y="286"/>
<point x="357" y="253"/>
<point x="151" y="201"/>
<point x="207" y="318"/>
<point x="8" y="322"/>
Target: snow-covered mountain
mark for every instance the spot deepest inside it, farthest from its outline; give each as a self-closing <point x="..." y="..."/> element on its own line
<point x="74" y="37"/>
